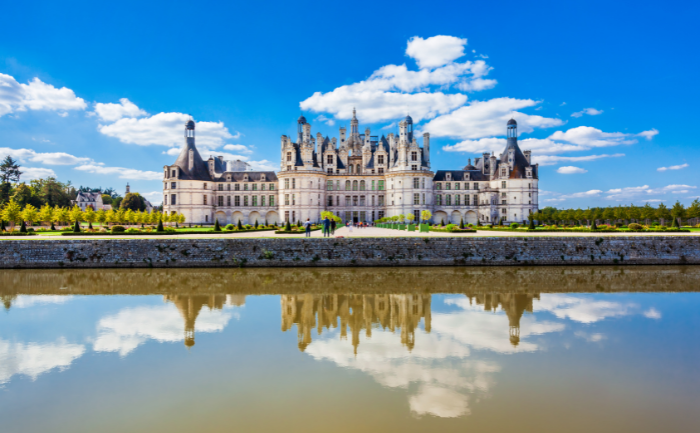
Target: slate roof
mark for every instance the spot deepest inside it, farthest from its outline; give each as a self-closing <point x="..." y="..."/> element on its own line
<point x="200" y="170"/>
<point x="458" y="176"/>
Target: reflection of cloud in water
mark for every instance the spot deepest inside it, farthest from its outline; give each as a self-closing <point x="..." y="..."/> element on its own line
<point x="652" y="313"/>
<point x="26" y="301"/>
<point x="582" y="309"/>
<point x="131" y="327"/>
<point x="443" y="386"/>
<point x="33" y="359"/>
<point x="591" y="338"/>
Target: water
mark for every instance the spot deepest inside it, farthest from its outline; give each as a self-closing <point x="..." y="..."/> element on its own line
<point x="347" y="350"/>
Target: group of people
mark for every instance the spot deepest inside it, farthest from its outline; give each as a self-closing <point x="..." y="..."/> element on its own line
<point x="329" y="226"/>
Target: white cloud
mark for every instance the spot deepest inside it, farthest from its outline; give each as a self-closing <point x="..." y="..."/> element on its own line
<point x="36" y="95"/>
<point x="123" y="173"/>
<point x="326" y="120"/>
<point x="652" y="313"/>
<point x="263" y="165"/>
<point x="33" y="359"/>
<point x="590" y="193"/>
<point x="487" y="118"/>
<point x="588" y="111"/>
<point x="237" y="148"/>
<point x="571" y="170"/>
<point x="673" y="167"/>
<point x="131" y="327"/>
<point x="638" y="192"/>
<point x="588" y="137"/>
<point x="29" y="173"/>
<point x="591" y="338"/>
<point x="435" y="51"/>
<point x="440" y="402"/>
<point x="648" y="134"/>
<point x="393" y="91"/>
<point x="581" y="309"/>
<point x="552" y="160"/>
<point x="165" y="129"/>
<point x="112" y="112"/>
<point x="48" y="158"/>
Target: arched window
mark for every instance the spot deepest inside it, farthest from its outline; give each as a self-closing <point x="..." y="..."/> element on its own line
<point x="358" y="171"/>
<point x="354" y="185"/>
<point x="350" y="168"/>
<point x="347" y="185"/>
<point x="362" y="185"/>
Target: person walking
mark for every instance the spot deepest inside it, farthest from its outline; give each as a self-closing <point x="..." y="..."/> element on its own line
<point x="333" y="227"/>
<point x="307" y="226"/>
<point x="349" y="226"/>
<point x="326" y="227"/>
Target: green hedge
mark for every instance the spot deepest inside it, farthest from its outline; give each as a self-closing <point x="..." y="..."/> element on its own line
<point x="164" y="233"/>
<point x="17" y="234"/>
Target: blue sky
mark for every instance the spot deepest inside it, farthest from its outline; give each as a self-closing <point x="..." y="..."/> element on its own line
<point x="604" y="92"/>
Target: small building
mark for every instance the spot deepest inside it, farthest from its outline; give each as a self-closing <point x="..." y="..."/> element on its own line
<point x="85" y="199"/>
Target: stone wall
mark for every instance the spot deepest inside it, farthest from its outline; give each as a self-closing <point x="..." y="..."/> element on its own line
<point x="457" y="251"/>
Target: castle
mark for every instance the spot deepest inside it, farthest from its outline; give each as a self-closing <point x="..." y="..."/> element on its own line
<point x="359" y="177"/>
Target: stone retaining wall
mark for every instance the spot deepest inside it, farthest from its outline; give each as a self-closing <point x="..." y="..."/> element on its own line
<point x="458" y="251"/>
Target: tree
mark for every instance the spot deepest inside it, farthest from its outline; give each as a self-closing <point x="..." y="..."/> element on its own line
<point x="30" y="213"/>
<point x="90" y="216"/>
<point x="116" y="202"/>
<point x="609" y="214"/>
<point x="46" y="214"/>
<point x="110" y="217"/>
<point x="648" y="213"/>
<point x="129" y="216"/>
<point x="161" y="229"/>
<point x="106" y="199"/>
<point x="240" y="225"/>
<point x="410" y="217"/>
<point x="678" y="213"/>
<point x="23" y="195"/>
<point x="426" y="215"/>
<point x="662" y="213"/>
<point x="9" y="174"/>
<point x="61" y="214"/>
<point x="76" y="214"/>
<point x="12" y="213"/>
<point x="52" y="192"/>
<point x="133" y="201"/>
<point x="101" y="216"/>
<point x="694" y="210"/>
<point x="217" y="227"/>
<point x="181" y="218"/>
<point x="76" y="227"/>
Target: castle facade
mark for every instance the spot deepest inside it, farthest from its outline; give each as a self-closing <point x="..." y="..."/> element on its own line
<point x="359" y="177"/>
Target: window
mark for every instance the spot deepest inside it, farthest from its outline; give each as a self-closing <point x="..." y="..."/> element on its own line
<point x="416" y="198"/>
<point x="286" y="215"/>
<point x="380" y="160"/>
<point x="221" y="200"/>
<point x="350" y="169"/>
<point x="255" y="200"/>
<point x="358" y="169"/>
<point x="380" y="185"/>
<point x="330" y="201"/>
<point x="503" y="202"/>
<point x="438" y="200"/>
<point x="286" y="199"/>
<point x="476" y="185"/>
<point x="503" y="184"/>
<point x="271" y="200"/>
<point x="457" y="200"/>
<point x="228" y="200"/>
<point x="354" y="200"/>
<point x="372" y="185"/>
<point x="354" y="185"/>
<point x="347" y="185"/>
<point x="448" y="185"/>
<point x="262" y="187"/>
<point x="456" y="185"/>
<point x="423" y="199"/>
<point x="337" y="200"/>
<point x="262" y="200"/>
<point x="503" y="172"/>
<point x="362" y="185"/>
<point x="448" y="200"/>
<point x="173" y="185"/>
<point x="237" y="200"/>
<point x="174" y="175"/>
<point x="362" y="200"/>
<point x="221" y="187"/>
<point x="237" y="187"/>
<point x="416" y="183"/>
<point x="294" y="183"/>
<point x="205" y="186"/>
<point x="529" y="194"/>
<point x="380" y="170"/>
<point x="294" y="200"/>
<point x="272" y="187"/>
<point x="503" y="211"/>
<point x="245" y="187"/>
<point x="380" y="200"/>
<point x="289" y="156"/>
<point x="329" y="170"/>
<point x="414" y="156"/>
<point x="503" y="194"/>
<point x="329" y="158"/>
<point x="228" y="187"/>
<point x="337" y="185"/>
<point x="255" y="187"/>
<point x="205" y="199"/>
<point x="466" y="200"/>
<point x="245" y="200"/>
<point x="372" y="200"/>
<point x="173" y="199"/>
<point x="329" y="185"/>
<point x="347" y="200"/>
<point x="438" y="186"/>
<point x="414" y="167"/>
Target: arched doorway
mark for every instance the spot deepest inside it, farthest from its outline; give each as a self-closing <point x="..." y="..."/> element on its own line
<point x="470" y="218"/>
<point x="255" y="216"/>
<point x="456" y="217"/>
<point x="440" y="217"/>
<point x="272" y="217"/>
<point x="221" y="216"/>
<point x="237" y="216"/>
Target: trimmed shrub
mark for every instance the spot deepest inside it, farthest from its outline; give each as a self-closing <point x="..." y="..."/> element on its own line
<point x="23" y="228"/>
<point x="76" y="227"/>
<point x="118" y="229"/>
<point x="160" y="226"/>
<point x="133" y="230"/>
<point x="514" y="225"/>
<point x="240" y="225"/>
<point x="229" y="227"/>
<point x="217" y="227"/>
<point x="635" y="227"/>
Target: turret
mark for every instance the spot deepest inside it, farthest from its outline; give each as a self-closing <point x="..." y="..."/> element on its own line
<point x="426" y="149"/>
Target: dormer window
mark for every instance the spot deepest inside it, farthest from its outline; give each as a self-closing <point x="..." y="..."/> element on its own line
<point x="504" y="172"/>
<point x="528" y="173"/>
<point x="414" y="156"/>
<point x="289" y="156"/>
<point x="448" y="176"/>
<point x="262" y="177"/>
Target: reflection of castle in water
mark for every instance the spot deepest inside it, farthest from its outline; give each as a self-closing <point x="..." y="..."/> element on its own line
<point x="514" y="304"/>
<point x="356" y="312"/>
<point x="362" y="312"/>
<point x="190" y="306"/>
